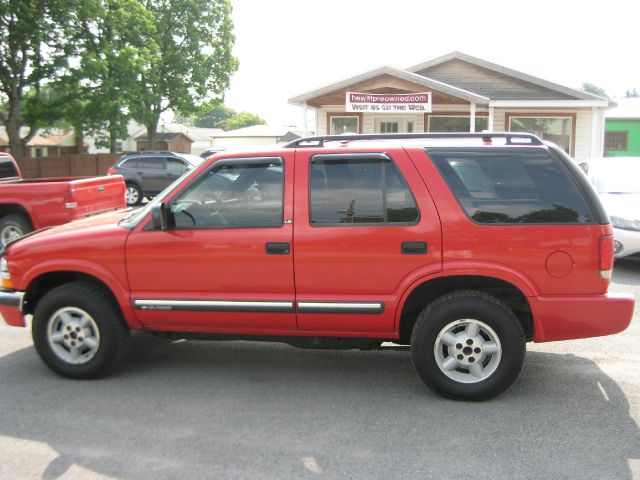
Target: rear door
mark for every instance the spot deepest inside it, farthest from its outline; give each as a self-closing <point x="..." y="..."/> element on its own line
<point x="153" y="173"/>
<point x="225" y="264"/>
<point x="365" y="228"/>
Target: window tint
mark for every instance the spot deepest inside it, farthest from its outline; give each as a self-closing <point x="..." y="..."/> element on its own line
<point x="151" y="163"/>
<point x="176" y="165"/>
<point x="131" y="163"/>
<point x="7" y="168"/>
<point x="511" y="186"/>
<point x="233" y="195"/>
<point x="363" y="190"/>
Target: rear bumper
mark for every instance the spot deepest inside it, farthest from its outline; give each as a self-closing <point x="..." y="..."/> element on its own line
<point x="11" y="308"/>
<point x="564" y="318"/>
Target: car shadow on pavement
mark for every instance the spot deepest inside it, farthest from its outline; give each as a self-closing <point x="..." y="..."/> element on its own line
<point x="195" y="409"/>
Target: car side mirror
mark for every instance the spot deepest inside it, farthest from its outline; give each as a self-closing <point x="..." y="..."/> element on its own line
<point x="159" y="217"/>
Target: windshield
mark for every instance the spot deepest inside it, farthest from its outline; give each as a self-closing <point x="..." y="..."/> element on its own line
<point x="618" y="177"/>
<point x="137" y="215"/>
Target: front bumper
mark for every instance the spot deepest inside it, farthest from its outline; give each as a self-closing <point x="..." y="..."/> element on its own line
<point x="570" y="317"/>
<point x="11" y="308"/>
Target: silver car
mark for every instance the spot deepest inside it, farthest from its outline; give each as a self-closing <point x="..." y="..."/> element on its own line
<point x="617" y="181"/>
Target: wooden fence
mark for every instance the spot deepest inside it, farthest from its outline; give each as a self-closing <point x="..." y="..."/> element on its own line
<point x="76" y="165"/>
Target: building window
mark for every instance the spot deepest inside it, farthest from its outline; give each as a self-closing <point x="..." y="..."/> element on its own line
<point x="456" y="123"/>
<point x="344" y="124"/>
<point x="39" y="152"/>
<point x="119" y="146"/>
<point x="555" y="129"/>
<point x="618" y="141"/>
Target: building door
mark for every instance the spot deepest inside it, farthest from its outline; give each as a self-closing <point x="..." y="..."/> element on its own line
<point x="395" y="124"/>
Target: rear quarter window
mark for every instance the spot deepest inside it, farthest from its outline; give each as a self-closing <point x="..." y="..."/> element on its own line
<point x="511" y="186"/>
<point x="7" y="168"/>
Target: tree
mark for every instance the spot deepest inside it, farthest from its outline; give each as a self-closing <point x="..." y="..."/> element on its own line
<point x="594" y="89"/>
<point x="216" y="116"/>
<point x="36" y="41"/>
<point x="244" y="119"/>
<point x="193" y="62"/>
<point x="115" y="47"/>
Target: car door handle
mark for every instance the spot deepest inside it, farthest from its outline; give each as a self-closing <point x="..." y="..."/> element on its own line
<point x="278" y="248"/>
<point x="414" y="248"/>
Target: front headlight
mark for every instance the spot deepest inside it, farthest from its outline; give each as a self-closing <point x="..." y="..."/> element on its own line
<point x="625" y="223"/>
<point x="5" y="276"/>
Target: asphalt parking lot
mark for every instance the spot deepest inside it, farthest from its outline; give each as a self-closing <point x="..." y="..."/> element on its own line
<point x="194" y="410"/>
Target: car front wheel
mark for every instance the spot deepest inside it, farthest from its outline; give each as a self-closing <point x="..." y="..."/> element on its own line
<point x="468" y="345"/>
<point x="79" y="332"/>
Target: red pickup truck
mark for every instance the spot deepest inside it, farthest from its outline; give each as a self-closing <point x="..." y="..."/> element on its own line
<point x="462" y="246"/>
<point x="27" y="205"/>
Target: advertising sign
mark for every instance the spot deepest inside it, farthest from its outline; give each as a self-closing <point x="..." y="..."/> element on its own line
<point x="388" y="102"/>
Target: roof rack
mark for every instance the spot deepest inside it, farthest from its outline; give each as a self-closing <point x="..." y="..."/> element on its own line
<point x="319" y="141"/>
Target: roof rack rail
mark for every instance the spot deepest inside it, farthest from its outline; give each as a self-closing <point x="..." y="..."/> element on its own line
<point x="319" y="141"/>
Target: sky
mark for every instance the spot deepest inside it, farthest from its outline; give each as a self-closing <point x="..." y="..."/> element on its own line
<point x="289" y="47"/>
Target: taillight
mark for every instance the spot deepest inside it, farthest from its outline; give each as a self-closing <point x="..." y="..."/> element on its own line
<point x="605" y="256"/>
<point x="70" y="200"/>
<point x="112" y="171"/>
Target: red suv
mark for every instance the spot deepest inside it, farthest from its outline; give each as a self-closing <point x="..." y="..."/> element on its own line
<point x="463" y="246"/>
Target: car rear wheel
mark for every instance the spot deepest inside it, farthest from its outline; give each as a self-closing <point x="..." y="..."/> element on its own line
<point x="13" y="227"/>
<point x="133" y="195"/>
<point x="79" y="332"/>
<point x="468" y="345"/>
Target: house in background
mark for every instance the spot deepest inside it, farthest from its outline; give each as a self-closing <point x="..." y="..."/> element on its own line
<point x="459" y="93"/>
<point x="622" y="129"/>
<point x="166" y="141"/>
<point x="50" y="143"/>
<point x="255" y="135"/>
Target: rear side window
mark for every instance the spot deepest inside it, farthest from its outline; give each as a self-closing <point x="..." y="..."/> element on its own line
<point x="131" y="163"/>
<point x="359" y="189"/>
<point x="511" y="186"/>
<point x="151" y="163"/>
<point x="7" y="168"/>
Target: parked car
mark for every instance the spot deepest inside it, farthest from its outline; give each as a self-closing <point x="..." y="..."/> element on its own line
<point x="36" y="203"/>
<point x="212" y="151"/>
<point x="617" y="180"/>
<point x="146" y="174"/>
<point x="463" y="246"/>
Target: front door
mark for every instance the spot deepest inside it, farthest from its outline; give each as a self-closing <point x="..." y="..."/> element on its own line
<point x="365" y="225"/>
<point x="224" y="264"/>
<point x="394" y="124"/>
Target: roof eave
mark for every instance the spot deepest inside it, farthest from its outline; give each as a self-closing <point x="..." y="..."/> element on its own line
<point x="507" y="71"/>
<point x="403" y="74"/>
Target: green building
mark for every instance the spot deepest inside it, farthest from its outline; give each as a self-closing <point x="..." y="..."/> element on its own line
<point x="622" y="129"/>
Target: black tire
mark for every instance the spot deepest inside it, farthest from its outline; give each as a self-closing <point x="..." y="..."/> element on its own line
<point x="112" y="332"/>
<point x="134" y="194"/>
<point x="453" y="313"/>
<point x="13" y="226"/>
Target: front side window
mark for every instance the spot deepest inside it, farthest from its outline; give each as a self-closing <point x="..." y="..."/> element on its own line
<point x="454" y="123"/>
<point x="176" y="166"/>
<point x="348" y="190"/>
<point x="234" y="195"/>
<point x="342" y="125"/>
<point x="555" y="129"/>
<point x="511" y="186"/>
